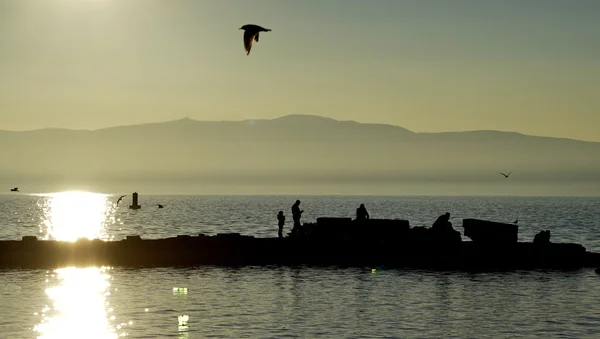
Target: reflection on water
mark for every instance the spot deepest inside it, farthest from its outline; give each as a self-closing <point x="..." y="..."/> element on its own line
<point x="72" y="215"/>
<point x="79" y="306"/>
<point x="301" y="302"/>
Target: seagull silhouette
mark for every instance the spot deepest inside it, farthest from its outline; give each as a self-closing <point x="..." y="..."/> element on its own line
<point x="160" y="206"/>
<point x="516" y="221"/>
<point x="120" y="198"/>
<point x="16" y="189"/>
<point x="251" y="33"/>
<point x="506" y="175"/>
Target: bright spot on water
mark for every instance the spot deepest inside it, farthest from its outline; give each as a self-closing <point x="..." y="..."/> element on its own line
<point x="183" y="319"/>
<point x="180" y="290"/>
<point x="78" y="306"/>
<point x="72" y="215"/>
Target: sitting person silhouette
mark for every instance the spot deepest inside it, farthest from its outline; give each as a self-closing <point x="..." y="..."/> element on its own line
<point x="281" y="219"/>
<point x="361" y="213"/>
<point x="442" y="222"/>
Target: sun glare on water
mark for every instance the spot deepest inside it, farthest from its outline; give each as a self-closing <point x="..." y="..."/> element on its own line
<point x="72" y="215"/>
<point x="78" y="305"/>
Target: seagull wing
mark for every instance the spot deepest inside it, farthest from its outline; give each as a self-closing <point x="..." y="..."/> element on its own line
<point x="248" y="36"/>
<point x="503" y="174"/>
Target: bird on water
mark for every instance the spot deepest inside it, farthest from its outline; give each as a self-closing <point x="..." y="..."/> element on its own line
<point x="16" y="189"/>
<point x="251" y="33"/>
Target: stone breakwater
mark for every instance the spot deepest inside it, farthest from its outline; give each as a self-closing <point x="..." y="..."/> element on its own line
<point x="329" y="241"/>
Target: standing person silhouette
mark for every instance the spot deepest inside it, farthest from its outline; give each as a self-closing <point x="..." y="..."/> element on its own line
<point x="296" y="214"/>
<point x="281" y="219"/>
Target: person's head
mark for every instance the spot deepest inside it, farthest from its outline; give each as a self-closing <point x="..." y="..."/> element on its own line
<point x="362" y="205"/>
<point x="297" y="202"/>
<point x="448" y="214"/>
<point x="280" y="212"/>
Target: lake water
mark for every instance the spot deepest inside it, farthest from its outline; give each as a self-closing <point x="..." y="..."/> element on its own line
<point x="291" y="302"/>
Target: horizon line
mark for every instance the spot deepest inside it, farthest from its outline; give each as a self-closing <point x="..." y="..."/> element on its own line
<point x="150" y="193"/>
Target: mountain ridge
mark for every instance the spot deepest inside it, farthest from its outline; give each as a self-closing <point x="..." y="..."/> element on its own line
<point x="297" y="153"/>
<point x="298" y="119"/>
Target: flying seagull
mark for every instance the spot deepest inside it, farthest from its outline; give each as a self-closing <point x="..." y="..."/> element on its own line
<point x="250" y="33"/>
<point x="506" y="175"/>
<point x="16" y="189"/>
<point x="120" y="198"/>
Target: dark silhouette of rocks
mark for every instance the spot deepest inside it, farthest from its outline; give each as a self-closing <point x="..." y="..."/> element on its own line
<point x="329" y="241"/>
<point x="490" y="232"/>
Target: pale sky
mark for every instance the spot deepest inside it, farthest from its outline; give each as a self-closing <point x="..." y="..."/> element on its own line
<point x="530" y="66"/>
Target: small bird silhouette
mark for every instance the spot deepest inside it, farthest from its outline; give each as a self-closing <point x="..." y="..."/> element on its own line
<point x="506" y="175"/>
<point x="120" y="198"/>
<point x="160" y="206"/>
<point x="16" y="189"/>
<point x="516" y="221"/>
<point x="251" y="33"/>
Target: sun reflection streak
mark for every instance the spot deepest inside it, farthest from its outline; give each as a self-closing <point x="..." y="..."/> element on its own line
<point x="80" y="309"/>
<point x="72" y="215"/>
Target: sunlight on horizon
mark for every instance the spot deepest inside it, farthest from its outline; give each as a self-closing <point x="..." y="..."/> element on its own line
<point x="71" y="215"/>
<point x="79" y="307"/>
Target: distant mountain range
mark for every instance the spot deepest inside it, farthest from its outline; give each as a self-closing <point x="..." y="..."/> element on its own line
<point x="294" y="148"/>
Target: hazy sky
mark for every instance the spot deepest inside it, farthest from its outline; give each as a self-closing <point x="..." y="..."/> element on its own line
<point x="526" y="66"/>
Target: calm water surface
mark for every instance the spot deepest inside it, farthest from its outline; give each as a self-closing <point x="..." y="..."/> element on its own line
<point x="291" y="302"/>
